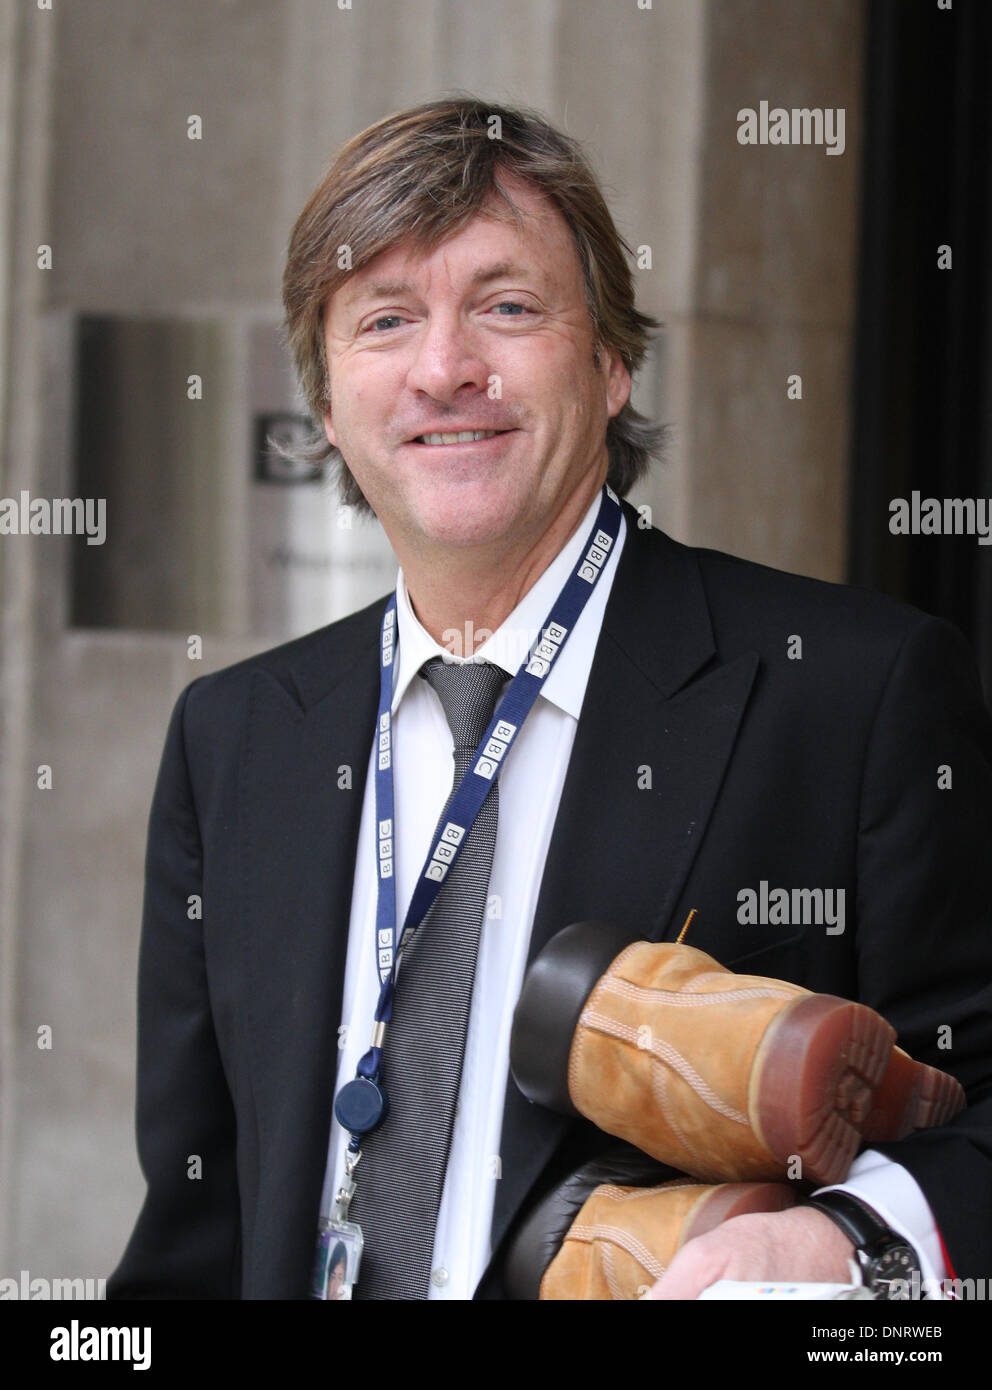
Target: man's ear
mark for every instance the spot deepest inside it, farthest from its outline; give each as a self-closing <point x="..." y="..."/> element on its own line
<point x="618" y="387"/>
<point x="618" y="384"/>
<point x="329" y="429"/>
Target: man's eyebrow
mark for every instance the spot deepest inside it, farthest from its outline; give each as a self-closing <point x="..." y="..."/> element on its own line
<point x="393" y="289"/>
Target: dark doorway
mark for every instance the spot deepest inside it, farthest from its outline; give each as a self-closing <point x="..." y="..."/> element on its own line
<point x="922" y="407"/>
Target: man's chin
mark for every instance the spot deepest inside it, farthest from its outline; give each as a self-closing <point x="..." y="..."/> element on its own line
<point x="468" y="517"/>
<point x="463" y="534"/>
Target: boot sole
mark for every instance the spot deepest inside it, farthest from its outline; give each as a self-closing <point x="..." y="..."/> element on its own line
<point x="735" y="1199"/>
<point x="828" y="1078"/>
<point x="911" y="1096"/>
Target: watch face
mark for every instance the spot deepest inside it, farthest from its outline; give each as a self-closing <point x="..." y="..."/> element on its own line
<point x="891" y="1272"/>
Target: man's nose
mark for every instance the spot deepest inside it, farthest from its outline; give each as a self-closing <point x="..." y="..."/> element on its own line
<point x="447" y="357"/>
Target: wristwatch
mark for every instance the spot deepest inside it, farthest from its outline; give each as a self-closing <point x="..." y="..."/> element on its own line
<point x="890" y="1267"/>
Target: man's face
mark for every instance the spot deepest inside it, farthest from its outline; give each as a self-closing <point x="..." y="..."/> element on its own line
<point x="488" y="332"/>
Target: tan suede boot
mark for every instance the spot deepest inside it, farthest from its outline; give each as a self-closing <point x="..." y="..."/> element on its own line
<point x="624" y="1238"/>
<point x="731" y="1077"/>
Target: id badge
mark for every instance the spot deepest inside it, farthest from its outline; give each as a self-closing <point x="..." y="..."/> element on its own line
<point x="339" y="1254"/>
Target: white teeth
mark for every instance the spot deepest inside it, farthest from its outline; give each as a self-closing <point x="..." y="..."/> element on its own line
<point x="462" y="437"/>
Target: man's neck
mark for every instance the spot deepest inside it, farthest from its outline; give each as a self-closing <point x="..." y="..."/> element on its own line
<point x="462" y="597"/>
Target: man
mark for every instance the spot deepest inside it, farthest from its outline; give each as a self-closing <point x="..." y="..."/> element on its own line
<point x="462" y="319"/>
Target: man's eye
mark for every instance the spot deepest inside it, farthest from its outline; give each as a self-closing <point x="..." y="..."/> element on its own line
<point x="510" y="304"/>
<point x="385" y="318"/>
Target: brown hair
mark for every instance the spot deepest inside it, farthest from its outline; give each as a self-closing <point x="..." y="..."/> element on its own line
<point x="424" y="173"/>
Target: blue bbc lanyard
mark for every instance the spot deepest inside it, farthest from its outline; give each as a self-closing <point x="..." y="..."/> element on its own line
<point x="362" y="1103"/>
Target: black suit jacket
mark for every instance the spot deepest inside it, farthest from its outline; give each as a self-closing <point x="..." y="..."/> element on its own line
<point x="811" y="772"/>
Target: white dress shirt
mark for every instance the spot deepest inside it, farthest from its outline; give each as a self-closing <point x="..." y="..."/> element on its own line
<point x="531" y="782"/>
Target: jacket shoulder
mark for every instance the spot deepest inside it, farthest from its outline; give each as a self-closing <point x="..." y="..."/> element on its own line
<point x="759" y="603"/>
<point x="304" y="667"/>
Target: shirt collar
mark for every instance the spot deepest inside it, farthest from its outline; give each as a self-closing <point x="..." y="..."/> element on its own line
<point x="510" y="644"/>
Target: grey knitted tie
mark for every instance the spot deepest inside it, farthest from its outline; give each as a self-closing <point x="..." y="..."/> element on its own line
<point x="401" y="1173"/>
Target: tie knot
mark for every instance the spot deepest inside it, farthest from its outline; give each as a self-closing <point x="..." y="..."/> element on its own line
<point x="468" y="692"/>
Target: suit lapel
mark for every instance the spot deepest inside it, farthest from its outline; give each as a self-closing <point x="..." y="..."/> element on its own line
<point x="657" y="729"/>
<point x="310" y="719"/>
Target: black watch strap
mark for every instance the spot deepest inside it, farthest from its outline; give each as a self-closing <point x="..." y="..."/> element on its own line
<point x="864" y="1227"/>
<point x="889" y="1265"/>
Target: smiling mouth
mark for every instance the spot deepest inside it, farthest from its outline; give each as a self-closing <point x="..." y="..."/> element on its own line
<point x="460" y="437"/>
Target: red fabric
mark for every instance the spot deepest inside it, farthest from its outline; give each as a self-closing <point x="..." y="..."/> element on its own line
<point x="947" y="1258"/>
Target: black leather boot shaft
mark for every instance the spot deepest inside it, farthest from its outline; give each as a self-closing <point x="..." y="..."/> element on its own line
<point x="556" y="987"/>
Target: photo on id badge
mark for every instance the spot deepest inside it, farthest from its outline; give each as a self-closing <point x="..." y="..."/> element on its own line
<point x="339" y="1249"/>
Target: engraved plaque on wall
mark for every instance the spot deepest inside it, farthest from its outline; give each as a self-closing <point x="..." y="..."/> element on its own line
<point x="183" y="426"/>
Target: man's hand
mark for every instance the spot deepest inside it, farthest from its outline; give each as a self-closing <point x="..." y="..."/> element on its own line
<point x="799" y="1245"/>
